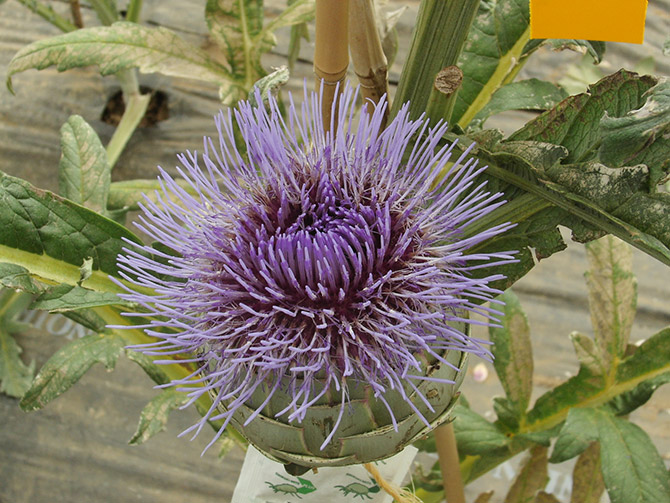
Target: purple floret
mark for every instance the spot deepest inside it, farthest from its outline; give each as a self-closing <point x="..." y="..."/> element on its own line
<point x="321" y="258"/>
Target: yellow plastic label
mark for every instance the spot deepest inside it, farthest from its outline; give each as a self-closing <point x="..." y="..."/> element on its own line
<point x="607" y="20"/>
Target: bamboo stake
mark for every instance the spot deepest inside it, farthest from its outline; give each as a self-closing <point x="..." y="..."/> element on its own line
<point x="367" y="55"/>
<point x="447" y="451"/>
<point x="331" y="51"/>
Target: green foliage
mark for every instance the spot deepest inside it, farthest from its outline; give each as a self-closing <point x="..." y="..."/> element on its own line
<point x="532" y="477"/>
<point x="71" y="298"/>
<point x="237" y="28"/>
<point x="121" y="46"/>
<point x="532" y="94"/>
<point x="52" y="237"/>
<point x="474" y="434"/>
<point x="551" y="174"/>
<point x="154" y="416"/>
<point x="84" y="174"/>
<point x="612" y="292"/>
<point x="584" y="412"/>
<point x="632" y="469"/>
<point x="15" y="376"/>
<point x="67" y="366"/>
<point x="492" y="52"/>
<point x="514" y="357"/>
<point x="587" y="479"/>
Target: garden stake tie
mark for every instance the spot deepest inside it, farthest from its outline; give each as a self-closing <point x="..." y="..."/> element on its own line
<point x="331" y="51"/>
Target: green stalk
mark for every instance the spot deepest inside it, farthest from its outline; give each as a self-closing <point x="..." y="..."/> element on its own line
<point x="178" y="371"/>
<point x="439" y="36"/>
<point x="106" y="11"/>
<point x="133" y="11"/>
<point x="136" y="106"/>
<point x="48" y="13"/>
<point x="517" y="210"/>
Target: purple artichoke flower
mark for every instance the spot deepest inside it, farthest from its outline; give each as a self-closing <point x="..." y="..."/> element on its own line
<point x="314" y="260"/>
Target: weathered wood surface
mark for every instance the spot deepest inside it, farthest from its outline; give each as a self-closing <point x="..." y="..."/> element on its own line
<point x="75" y="450"/>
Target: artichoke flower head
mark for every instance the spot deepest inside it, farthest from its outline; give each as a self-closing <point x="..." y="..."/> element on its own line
<point x="319" y="282"/>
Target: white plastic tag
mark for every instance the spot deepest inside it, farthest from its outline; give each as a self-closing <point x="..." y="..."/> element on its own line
<point x="265" y="481"/>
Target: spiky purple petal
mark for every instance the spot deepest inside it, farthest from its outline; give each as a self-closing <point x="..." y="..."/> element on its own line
<point x="324" y="258"/>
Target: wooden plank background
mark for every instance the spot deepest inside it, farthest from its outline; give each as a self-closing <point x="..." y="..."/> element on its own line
<point x="75" y="450"/>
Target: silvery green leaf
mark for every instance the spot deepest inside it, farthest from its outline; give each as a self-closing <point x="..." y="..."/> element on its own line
<point x="154" y="416"/>
<point x="612" y="291"/>
<point x="120" y="46"/>
<point x="587" y="479"/>
<point x="67" y="366"/>
<point x="84" y="174"/>
<point x="513" y="353"/>
<point x="531" y="479"/>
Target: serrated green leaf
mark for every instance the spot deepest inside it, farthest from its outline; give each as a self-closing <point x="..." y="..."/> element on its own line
<point x="270" y="84"/>
<point x="84" y="174"/>
<point x="299" y="32"/>
<point x="531" y="479"/>
<point x="154" y="371"/>
<point x="234" y="26"/>
<point x="578" y="432"/>
<point x="586" y="390"/>
<point x="513" y="353"/>
<point x="17" y="278"/>
<point x="587" y="479"/>
<point x="126" y="194"/>
<point x="579" y="76"/>
<point x="62" y="298"/>
<point x="491" y="54"/>
<point x="596" y="49"/>
<point x="649" y="360"/>
<point x="67" y="366"/>
<point x="105" y="10"/>
<point x="15" y="376"/>
<point x="474" y="434"/>
<point x="532" y="94"/>
<point x="612" y="292"/>
<point x="588" y="354"/>
<point x="593" y="199"/>
<point x="508" y="414"/>
<point x="626" y="403"/>
<point x="120" y="46"/>
<point x="574" y="123"/>
<point x="642" y="136"/>
<point x="297" y="12"/>
<point x="632" y="468"/>
<point x="52" y="237"/>
<point x="154" y="416"/>
<point x="87" y="318"/>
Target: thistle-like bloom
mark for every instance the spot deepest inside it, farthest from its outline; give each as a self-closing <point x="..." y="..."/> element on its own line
<point x="314" y="260"/>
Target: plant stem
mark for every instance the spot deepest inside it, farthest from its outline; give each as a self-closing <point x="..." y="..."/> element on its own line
<point x="106" y="11"/>
<point x="367" y="54"/>
<point x="48" y="13"/>
<point x="331" y="51"/>
<point x="133" y="11"/>
<point x="439" y="36"/>
<point x="136" y="106"/>
<point x="443" y="95"/>
<point x="75" y="9"/>
<point x="447" y="451"/>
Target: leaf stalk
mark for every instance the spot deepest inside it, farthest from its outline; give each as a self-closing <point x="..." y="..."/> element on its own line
<point x="439" y="37"/>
